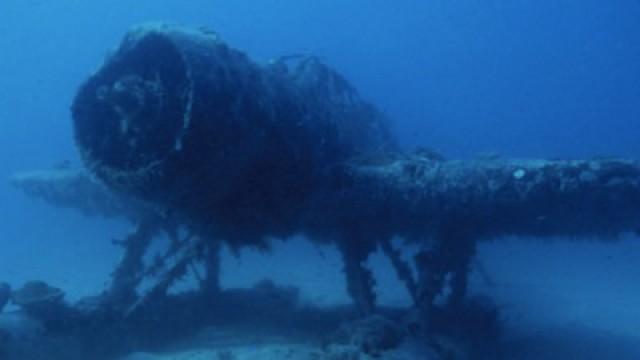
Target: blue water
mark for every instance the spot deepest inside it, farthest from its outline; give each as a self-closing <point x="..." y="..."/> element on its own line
<point x="521" y="78"/>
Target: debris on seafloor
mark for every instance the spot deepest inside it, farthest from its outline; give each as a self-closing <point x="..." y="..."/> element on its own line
<point x="37" y="295"/>
<point x="186" y="137"/>
<point x="372" y="335"/>
<point x="45" y="303"/>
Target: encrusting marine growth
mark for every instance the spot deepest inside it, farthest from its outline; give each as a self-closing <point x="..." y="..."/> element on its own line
<point x="185" y="136"/>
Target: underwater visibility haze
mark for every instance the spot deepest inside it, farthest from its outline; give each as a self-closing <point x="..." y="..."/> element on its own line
<point x="320" y="179"/>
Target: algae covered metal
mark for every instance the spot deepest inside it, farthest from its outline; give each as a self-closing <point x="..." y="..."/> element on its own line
<point x="180" y="119"/>
<point x="188" y="138"/>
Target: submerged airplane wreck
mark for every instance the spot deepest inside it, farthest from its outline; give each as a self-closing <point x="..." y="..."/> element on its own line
<point x="189" y="139"/>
